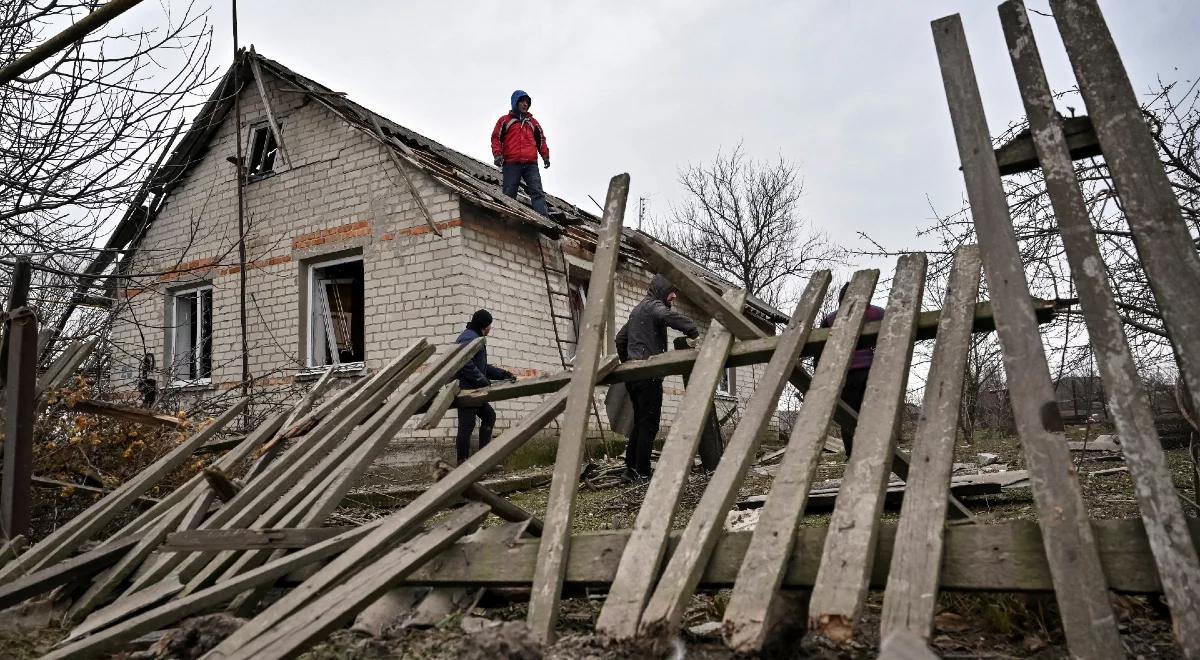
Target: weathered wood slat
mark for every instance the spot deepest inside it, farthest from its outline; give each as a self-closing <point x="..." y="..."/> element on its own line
<point x="248" y="539"/>
<point x="66" y="539"/>
<point x="1082" y="595"/>
<point x="911" y="595"/>
<point x="1159" y="501"/>
<point x="556" y="533"/>
<point x="77" y="568"/>
<point x="292" y="634"/>
<point x="743" y="353"/>
<point x="501" y="507"/>
<point x="841" y="588"/>
<point x="643" y="555"/>
<point x="748" y="614"/>
<point x="905" y="645"/>
<point x="125" y="413"/>
<point x="438" y="407"/>
<point x="301" y="411"/>
<point x="404" y="521"/>
<point x="1005" y="557"/>
<point x="664" y="610"/>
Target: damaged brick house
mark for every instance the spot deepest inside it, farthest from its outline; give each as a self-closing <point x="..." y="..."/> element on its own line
<point x="361" y="238"/>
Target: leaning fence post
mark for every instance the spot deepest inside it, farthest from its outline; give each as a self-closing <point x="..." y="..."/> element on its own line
<point x="18" y="423"/>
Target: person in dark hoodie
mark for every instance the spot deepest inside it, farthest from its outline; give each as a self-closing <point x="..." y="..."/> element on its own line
<point x="855" y="388"/>
<point x="475" y="374"/>
<point x="645" y="335"/>
<point x="517" y="140"/>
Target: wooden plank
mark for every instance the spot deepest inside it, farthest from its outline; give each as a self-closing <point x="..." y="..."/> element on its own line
<point x="643" y="555"/>
<point x="248" y="539"/>
<point x="12" y="548"/>
<point x="262" y="94"/>
<point x="127" y="606"/>
<point x="438" y="407"/>
<point x="556" y="535"/>
<point x="1082" y="595"/>
<point x="911" y="595"/>
<point x="1004" y="557"/>
<point x="1148" y="201"/>
<point x="664" y="610"/>
<point x="66" y="539"/>
<point x="841" y="588"/>
<point x="1020" y="154"/>
<point x="63" y="368"/>
<point x="113" y="636"/>
<point x="63" y="572"/>
<point x="300" y="412"/>
<point x="748" y="614"/>
<point x="1161" y="509"/>
<point x="743" y="353"/>
<point x="403" y="522"/>
<point x="20" y="415"/>
<point x="126" y="413"/>
<point x="291" y="635"/>
<point x="905" y="645"/>
<point x="499" y="486"/>
<point x="222" y="486"/>
<point x="503" y="508"/>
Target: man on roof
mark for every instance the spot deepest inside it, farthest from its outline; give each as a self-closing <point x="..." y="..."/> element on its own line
<point x="517" y="140"/>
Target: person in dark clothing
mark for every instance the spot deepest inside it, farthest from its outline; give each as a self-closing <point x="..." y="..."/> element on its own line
<point x="860" y="366"/>
<point x="475" y="374"/>
<point x="517" y="141"/>
<point x="645" y="335"/>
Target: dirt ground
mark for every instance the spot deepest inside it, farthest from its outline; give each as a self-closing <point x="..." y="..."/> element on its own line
<point x="967" y="625"/>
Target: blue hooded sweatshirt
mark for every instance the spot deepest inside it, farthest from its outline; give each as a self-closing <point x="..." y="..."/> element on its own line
<point x="516" y="96"/>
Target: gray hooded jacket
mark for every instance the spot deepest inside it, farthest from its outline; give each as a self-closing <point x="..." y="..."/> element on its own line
<point x="645" y="333"/>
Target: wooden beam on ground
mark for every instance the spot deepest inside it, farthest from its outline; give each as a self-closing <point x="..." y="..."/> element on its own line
<point x="403" y="522"/>
<point x="644" y="553"/>
<point x="841" y="588"/>
<point x="907" y="603"/>
<point x="749" y="612"/>
<point x="439" y="604"/>
<point x="438" y="407"/>
<point x="66" y="539"/>
<point x="744" y="353"/>
<point x="499" y="486"/>
<point x="126" y="413"/>
<point x="71" y="570"/>
<point x="294" y="633"/>
<point x="1082" y="596"/>
<point x="503" y="508"/>
<point x="664" y="610"/>
<point x="1129" y="407"/>
<point x="560" y="509"/>
<point x="1005" y="557"/>
<point x="248" y="539"/>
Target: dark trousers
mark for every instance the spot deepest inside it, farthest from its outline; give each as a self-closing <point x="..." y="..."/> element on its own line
<point x="514" y="172"/>
<point x="466" y="424"/>
<point x="852" y="393"/>
<point x="646" y="396"/>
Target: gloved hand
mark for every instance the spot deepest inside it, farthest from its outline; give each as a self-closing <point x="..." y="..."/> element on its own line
<point x="546" y="162"/>
<point x="499" y="161"/>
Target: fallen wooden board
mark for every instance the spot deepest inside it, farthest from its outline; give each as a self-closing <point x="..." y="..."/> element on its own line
<point x="75" y="569"/>
<point x="1006" y="557"/>
<point x="195" y="540"/>
<point x="970" y="485"/>
<point x="1101" y="443"/>
<point x="126" y="413"/>
<point x="499" y="486"/>
<point x="46" y="482"/>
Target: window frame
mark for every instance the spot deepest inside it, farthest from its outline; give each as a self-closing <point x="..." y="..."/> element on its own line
<point x="255" y="129"/>
<point x="727" y="385"/>
<point x="175" y="297"/>
<point x="311" y="268"/>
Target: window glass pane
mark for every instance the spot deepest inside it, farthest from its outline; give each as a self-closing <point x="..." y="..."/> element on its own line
<point x="184" y="337"/>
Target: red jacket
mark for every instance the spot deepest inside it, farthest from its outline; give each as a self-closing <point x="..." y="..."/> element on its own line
<point x="521" y="143"/>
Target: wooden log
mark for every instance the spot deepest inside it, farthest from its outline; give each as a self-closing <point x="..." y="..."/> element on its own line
<point x="1081" y="592"/>
<point x="401" y="523"/>
<point x="664" y="610"/>
<point x="66" y="539"/>
<point x="292" y="634"/>
<point x="1004" y="557"/>
<point x="910" y="598"/>
<point x="642" y="559"/>
<point x="560" y="509"/>
<point x="126" y="413"/>
<point x="749" y="610"/>
<point x="439" y="406"/>
<point x="841" y="588"/>
<point x="71" y="570"/>
<point x="248" y="539"/>
<point x="1130" y="409"/>
<point x="114" y="634"/>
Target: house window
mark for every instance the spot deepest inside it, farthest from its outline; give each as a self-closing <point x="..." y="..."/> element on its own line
<point x="191" y="336"/>
<point x="726" y="385"/>
<point x="262" y="152"/>
<point x="335" y="304"/>
<point x="578" y="296"/>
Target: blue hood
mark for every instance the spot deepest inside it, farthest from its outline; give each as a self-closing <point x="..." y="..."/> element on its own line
<point x="516" y="96"/>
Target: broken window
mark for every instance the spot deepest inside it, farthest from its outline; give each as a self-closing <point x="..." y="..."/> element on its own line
<point x="262" y="152"/>
<point x="578" y="295"/>
<point x="191" y="335"/>
<point x="726" y="385"/>
<point x="336" y="316"/>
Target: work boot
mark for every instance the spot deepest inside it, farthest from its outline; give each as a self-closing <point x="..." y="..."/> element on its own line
<point x="630" y="476"/>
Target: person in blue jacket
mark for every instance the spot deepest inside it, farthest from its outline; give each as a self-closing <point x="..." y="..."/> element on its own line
<point x="475" y="374"/>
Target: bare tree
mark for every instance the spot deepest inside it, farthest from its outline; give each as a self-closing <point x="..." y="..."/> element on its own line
<point x="78" y="133"/>
<point x="740" y="219"/>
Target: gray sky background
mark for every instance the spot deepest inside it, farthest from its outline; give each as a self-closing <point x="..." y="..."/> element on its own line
<point x="850" y="91"/>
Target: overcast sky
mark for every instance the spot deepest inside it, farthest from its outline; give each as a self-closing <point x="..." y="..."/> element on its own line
<point x="850" y="91"/>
